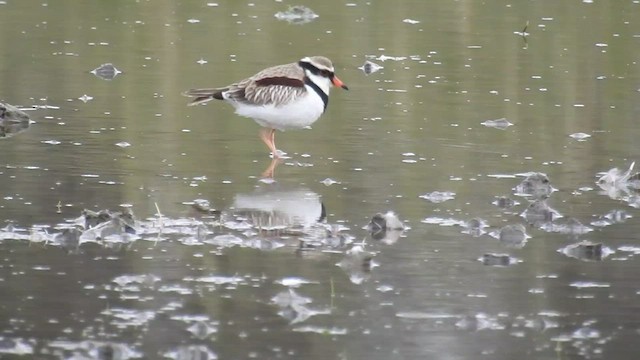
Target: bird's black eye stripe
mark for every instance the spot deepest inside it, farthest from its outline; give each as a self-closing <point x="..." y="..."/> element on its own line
<point x="314" y="70"/>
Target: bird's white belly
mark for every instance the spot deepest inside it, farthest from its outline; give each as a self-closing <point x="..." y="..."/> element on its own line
<point x="295" y="115"/>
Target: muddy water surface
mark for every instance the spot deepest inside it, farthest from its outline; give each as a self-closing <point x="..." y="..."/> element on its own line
<point x="288" y="268"/>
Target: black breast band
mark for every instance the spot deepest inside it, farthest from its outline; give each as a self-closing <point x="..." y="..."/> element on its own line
<point x="316" y="88"/>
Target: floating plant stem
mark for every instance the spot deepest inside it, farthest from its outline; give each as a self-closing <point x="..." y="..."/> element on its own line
<point x="161" y="223"/>
<point x="333" y="292"/>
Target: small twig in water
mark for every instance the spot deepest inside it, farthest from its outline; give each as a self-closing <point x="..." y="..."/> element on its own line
<point x="333" y="292"/>
<point x="161" y="223"/>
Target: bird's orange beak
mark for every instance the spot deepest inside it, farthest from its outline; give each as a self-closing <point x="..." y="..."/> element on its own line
<point x="337" y="82"/>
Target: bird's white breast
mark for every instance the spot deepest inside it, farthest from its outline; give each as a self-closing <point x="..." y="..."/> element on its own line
<point x="296" y="114"/>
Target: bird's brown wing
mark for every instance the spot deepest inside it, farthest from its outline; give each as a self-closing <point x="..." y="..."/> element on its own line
<point x="273" y="90"/>
<point x="275" y="85"/>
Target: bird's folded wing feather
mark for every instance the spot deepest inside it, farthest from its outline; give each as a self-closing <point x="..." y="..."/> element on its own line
<point x="273" y="90"/>
<point x="275" y="85"/>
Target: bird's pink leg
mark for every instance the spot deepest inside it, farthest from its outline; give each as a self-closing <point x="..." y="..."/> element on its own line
<point x="273" y="142"/>
<point x="268" y="137"/>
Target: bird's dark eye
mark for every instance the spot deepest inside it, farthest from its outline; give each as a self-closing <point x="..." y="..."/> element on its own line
<point x="326" y="73"/>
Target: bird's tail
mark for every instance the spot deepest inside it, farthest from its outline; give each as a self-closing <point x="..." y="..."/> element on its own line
<point x="203" y="95"/>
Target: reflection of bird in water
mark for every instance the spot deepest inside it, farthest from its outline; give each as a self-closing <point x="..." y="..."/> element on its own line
<point x="275" y="207"/>
<point x="290" y="96"/>
<point x="269" y="172"/>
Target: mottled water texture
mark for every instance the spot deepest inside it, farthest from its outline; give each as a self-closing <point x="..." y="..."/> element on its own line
<point x="474" y="196"/>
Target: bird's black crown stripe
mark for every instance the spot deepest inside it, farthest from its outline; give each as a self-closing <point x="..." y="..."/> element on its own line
<point x="316" y="88"/>
<point x="314" y="70"/>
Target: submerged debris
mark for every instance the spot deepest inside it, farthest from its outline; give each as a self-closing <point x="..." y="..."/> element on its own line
<point x="536" y="185"/>
<point x="92" y="226"/>
<point x="93" y="218"/>
<point x="539" y="213"/>
<point x="492" y="259"/>
<point x="438" y="196"/>
<point x="297" y="14"/>
<point x="475" y="227"/>
<point x="572" y="227"/>
<point x="294" y="307"/>
<point x="202" y="330"/>
<point x="12" y="120"/>
<point x="190" y="352"/>
<point x="586" y="251"/>
<point x="524" y="32"/>
<point x="358" y="263"/>
<point x="68" y="238"/>
<point x="370" y="67"/>
<point x="123" y="220"/>
<point x="612" y="217"/>
<point x="504" y="202"/>
<point x="12" y="113"/>
<point x="620" y="185"/>
<point x="106" y="71"/>
<point x="512" y="235"/>
<point x="203" y="207"/>
<point x="616" y="178"/>
<point x="500" y="124"/>
<point x="580" y="136"/>
<point x="480" y="321"/>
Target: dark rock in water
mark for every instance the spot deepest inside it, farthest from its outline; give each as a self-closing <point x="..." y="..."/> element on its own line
<point x="10" y="112"/>
<point x="475" y="223"/>
<point x="106" y="71"/>
<point x="93" y="218"/>
<point x="385" y="227"/>
<point x="491" y="259"/>
<point x="504" y="202"/>
<point x="539" y="213"/>
<point x="536" y="185"/>
<point x="586" y="250"/>
<point x="513" y="235"/>
<point x="12" y="120"/>
<point x="387" y="221"/>
<point x="370" y="67"/>
<point x="475" y="227"/>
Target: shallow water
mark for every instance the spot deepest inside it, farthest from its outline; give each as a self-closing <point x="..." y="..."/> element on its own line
<point x="242" y="283"/>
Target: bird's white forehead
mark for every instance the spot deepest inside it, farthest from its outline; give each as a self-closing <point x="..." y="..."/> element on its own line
<point x="320" y="62"/>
